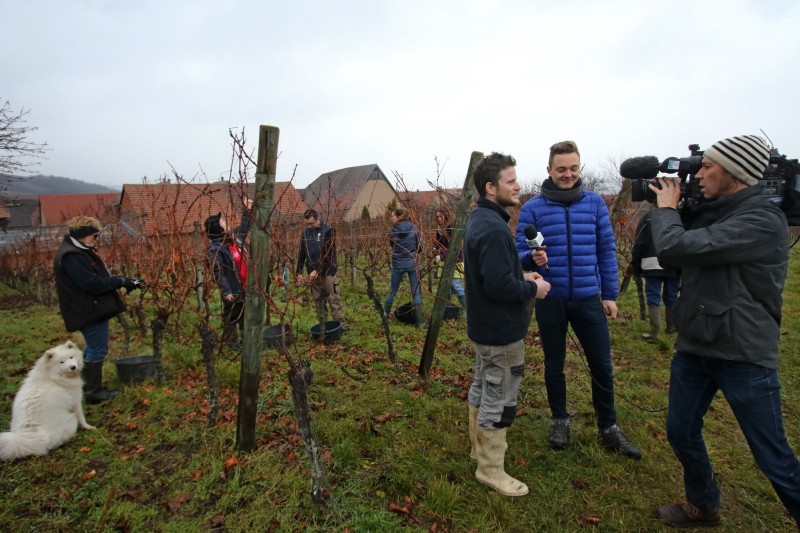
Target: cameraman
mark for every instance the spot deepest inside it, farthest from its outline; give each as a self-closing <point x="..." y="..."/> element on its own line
<point x="734" y="258"/>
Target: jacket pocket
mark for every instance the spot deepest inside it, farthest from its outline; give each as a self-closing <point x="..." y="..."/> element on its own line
<point x="106" y="306"/>
<point x="706" y="321"/>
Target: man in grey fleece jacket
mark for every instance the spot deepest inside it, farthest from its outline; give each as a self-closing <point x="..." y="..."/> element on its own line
<point x="733" y="259"/>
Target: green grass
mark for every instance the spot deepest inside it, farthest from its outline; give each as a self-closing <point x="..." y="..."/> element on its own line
<point x="395" y="445"/>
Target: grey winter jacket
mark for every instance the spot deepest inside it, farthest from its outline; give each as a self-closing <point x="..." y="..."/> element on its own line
<point x="404" y="238"/>
<point x="733" y="261"/>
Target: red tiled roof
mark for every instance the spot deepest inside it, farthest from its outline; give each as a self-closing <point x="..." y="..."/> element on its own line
<point x="58" y="209"/>
<point x="422" y="200"/>
<point x="153" y="209"/>
<point x="288" y="201"/>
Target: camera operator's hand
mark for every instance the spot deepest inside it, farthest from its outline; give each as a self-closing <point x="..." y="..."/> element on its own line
<point x="667" y="190"/>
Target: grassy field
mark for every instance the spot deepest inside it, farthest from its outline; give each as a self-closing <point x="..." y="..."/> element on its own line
<point x="395" y="446"/>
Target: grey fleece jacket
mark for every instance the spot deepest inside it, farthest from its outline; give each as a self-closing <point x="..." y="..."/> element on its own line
<point x="733" y="261"/>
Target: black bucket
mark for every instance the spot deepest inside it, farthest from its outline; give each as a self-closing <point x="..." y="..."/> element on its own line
<point x="332" y="333"/>
<point x="135" y="369"/>
<point x="272" y="335"/>
<point x="451" y="311"/>
<point x="405" y="313"/>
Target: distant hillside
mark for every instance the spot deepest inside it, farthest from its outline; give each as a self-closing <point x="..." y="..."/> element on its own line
<point x="36" y="185"/>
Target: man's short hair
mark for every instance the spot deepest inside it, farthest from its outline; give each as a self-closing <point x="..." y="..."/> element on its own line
<point x="489" y="169"/>
<point x="311" y="213"/>
<point x="564" y="147"/>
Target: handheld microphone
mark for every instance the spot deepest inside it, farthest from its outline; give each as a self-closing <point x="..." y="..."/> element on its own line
<point x="534" y="240"/>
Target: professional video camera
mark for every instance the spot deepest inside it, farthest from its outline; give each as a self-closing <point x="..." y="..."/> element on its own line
<point x="780" y="183"/>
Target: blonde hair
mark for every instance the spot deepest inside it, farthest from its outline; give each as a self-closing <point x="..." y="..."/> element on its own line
<point x="82" y="221"/>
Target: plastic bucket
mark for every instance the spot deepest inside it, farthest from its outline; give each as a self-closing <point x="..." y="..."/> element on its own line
<point x="332" y="333"/>
<point x="451" y="311"/>
<point x="405" y="313"/>
<point x="272" y="335"/>
<point x="135" y="369"/>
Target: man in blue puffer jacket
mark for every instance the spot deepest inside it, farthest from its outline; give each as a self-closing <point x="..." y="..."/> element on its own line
<point x="580" y="263"/>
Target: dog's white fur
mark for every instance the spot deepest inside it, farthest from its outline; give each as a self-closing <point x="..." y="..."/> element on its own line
<point x="48" y="407"/>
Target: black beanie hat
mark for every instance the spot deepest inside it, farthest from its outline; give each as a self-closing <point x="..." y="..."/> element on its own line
<point x="213" y="228"/>
<point x="83" y="231"/>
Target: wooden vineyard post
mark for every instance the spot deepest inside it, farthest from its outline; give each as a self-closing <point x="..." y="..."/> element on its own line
<point x="257" y="273"/>
<point x="446" y="275"/>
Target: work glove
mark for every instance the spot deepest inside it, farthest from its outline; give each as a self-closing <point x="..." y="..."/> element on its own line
<point x="131" y="284"/>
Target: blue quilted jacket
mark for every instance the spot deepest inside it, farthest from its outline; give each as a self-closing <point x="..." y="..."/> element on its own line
<point x="581" y="249"/>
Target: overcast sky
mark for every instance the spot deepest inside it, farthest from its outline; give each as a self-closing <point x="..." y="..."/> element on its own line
<point x="124" y="90"/>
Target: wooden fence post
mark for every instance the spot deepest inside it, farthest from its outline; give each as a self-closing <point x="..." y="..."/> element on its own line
<point x="353" y="245"/>
<point x="257" y="273"/>
<point x="446" y="276"/>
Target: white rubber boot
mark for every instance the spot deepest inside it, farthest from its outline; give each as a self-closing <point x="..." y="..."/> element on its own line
<point x="491" y="454"/>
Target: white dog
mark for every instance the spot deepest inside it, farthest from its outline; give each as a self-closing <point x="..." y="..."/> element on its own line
<point x="47" y="409"/>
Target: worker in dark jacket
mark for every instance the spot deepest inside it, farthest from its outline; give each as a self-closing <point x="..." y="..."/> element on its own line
<point x="227" y="257"/>
<point x="497" y="319"/>
<point x="733" y="259"/>
<point x="318" y="256"/>
<point x="88" y="298"/>
<point x="659" y="282"/>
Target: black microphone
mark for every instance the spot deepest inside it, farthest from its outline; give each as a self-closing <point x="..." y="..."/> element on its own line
<point x="640" y="168"/>
<point x="534" y="240"/>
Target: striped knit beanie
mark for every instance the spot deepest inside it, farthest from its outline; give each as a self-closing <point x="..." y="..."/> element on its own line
<point x="745" y="157"/>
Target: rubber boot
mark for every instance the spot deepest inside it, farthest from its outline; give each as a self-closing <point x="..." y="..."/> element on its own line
<point x="491" y="454"/>
<point x="93" y="389"/>
<point x="670" y="323"/>
<point x="463" y="303"/>
<point x="230" y="336"/>
<point x="473" y="428"/>
<point x="654" y="314"/>
<point x="418" y="318"/>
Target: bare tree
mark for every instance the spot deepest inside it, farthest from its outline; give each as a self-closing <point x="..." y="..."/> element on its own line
<point x="17" y="153"/>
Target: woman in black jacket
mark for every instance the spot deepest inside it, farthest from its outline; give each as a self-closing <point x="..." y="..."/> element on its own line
<point x="88" y="298"/>
<point x="227" y="258"/>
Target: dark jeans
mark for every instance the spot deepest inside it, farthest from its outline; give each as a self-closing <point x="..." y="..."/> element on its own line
<point x="658" y="287"/>
<point x="394" y="285"/>
<point x="96" y="337"/>
<point x="232" y="319"/>
<point x="753" y="392"/>
<point x="589" y="323"/>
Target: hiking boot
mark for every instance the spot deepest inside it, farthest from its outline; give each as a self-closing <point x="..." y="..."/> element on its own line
<point x="614" y="439"/>
<point x="559" y="434"/>
<point x="686" y="515"/>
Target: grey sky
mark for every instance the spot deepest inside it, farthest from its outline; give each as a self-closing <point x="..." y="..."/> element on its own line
<point x="123" y="90"/>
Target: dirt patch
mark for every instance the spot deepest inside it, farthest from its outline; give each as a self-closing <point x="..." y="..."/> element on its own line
<point x="14" y="301"/>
